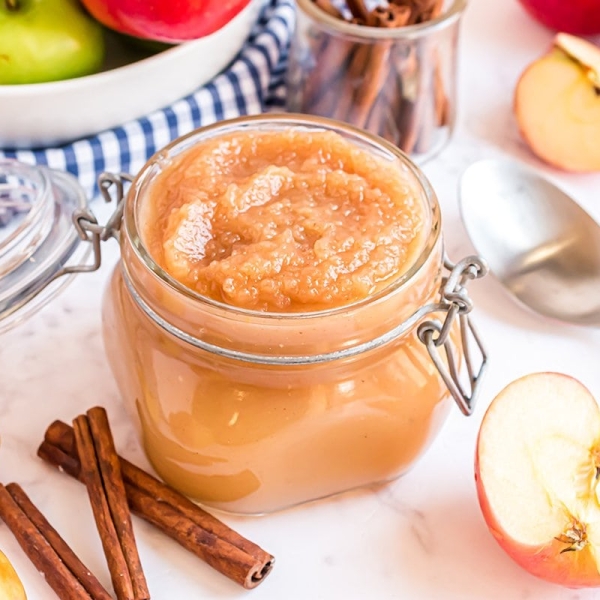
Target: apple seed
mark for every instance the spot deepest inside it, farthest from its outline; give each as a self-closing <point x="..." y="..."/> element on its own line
<point x="575" y="536"/>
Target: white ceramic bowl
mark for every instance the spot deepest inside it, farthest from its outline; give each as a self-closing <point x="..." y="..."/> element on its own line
<point x="132" y="84"/>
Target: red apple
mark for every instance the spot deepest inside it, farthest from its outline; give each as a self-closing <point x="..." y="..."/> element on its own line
<point x="537" y="469"/>
<point x="581" y="17"/>
<point x="170" y="21"/>
<point x="557" y="105"/>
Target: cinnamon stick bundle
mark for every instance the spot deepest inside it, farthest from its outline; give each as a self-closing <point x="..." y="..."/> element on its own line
<point x="360" y="81"/>
<point x="192" y="527"/>
<point x="101" y="472"/>
<point x="47" y="550"/>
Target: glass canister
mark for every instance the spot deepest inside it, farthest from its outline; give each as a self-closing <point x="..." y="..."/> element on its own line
<point x="382" y="71"/>
<point x="251" y="411"/>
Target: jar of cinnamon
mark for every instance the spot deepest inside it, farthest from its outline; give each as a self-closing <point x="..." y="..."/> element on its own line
<point x="390" y="69"/>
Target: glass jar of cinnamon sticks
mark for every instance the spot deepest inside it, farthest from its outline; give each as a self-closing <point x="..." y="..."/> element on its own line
<point x="389" y="69"/>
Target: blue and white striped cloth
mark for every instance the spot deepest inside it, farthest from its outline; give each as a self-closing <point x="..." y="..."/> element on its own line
<point x="253" y="83"/>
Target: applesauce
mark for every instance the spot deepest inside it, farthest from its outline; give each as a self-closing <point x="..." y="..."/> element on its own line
<point x="263" y="324"/>
<point x="290" y="221"/>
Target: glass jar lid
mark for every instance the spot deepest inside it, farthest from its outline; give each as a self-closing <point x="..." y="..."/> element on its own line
<point x="37" y="237"/>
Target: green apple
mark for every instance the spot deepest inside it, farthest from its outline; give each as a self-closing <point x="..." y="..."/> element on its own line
<point x="47" y="40"/>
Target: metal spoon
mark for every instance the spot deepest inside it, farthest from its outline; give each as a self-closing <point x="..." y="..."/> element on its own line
<point x="539" y="243"/>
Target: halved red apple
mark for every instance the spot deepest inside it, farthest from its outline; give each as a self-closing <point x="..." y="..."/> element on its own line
<point x="557" y="105"/>
<point x="537" y="473"/>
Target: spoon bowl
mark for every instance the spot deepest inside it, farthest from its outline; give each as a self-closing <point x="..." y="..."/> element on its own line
<point x="538" y="242"/>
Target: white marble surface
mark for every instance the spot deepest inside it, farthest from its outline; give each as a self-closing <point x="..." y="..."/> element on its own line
<point x="421" y="537"/>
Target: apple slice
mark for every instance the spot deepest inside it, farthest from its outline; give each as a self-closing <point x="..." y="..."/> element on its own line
<point x="557" y="105"/>
<point x="11" y="587"/>
<point x="582" y="52"/>
<point x="537" y="468"/>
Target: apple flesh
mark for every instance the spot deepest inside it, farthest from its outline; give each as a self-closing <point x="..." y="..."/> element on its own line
<point x="169" y="21"/>
<point x="11" y="587"/>
<point x="557" y="105"/>
<point x="47" y="40"/>
<point x="537" y="473"/>
<point x="581" y="17"/>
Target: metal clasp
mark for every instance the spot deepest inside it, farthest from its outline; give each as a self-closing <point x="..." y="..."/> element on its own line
<point x="88" y="227"/>
<point x="436" y="336"/>
<point x="90" y="230"/>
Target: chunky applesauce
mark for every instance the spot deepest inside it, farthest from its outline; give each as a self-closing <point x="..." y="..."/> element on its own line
<point x="282" y="221"/>
<point x="262" y="268"/>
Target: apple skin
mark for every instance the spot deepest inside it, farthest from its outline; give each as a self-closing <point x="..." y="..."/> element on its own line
<point x="550" y="561"/>
<point x="570" y="569"/>
<point x="169" y="21"/>
<point x="11" y="587"/>
<point x="557" y="107"/>
<point x="47" y="40"/>
<point x="580" y="17"/>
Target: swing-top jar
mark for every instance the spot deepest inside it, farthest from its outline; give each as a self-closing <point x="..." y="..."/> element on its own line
<point x="280" y="323"/>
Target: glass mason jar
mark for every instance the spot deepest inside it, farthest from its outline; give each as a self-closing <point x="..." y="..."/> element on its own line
<point x="396" y="82"/>
<point x="251" y="412"/>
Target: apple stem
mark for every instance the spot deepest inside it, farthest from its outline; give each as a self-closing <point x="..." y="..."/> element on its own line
<point x="12" y="4"/>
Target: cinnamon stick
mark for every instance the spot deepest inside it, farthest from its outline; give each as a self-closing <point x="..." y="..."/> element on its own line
<point x="46" y="549"/>
<point x="92" y="478"/>
<point x="421" y="10"/>
<point x="390" y="16"/>
<point x="112" y="479"/>
<point x="353" y="79"/>
<point x="93" y="587"/>
<point x="410" y="111"/>
<point x="226" y="558"/>
<point x="442" y="106"/>
<point x="376" y="69"/>
<point x="408" y="125"/>
<point x="393" y="94"/>
<point x="334" y="57"/>
<point x="185" y="522"/>
<point x="60" y="459"/>
<point x="358" y="9"/>
<point x="376" y="116"/>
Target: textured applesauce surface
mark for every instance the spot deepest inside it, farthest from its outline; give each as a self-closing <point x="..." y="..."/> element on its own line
<point x="282" y="221"/>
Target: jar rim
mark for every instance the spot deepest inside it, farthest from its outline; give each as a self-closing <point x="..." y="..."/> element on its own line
<point x="288" y="120"/>
<point x="407" y="32"/>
